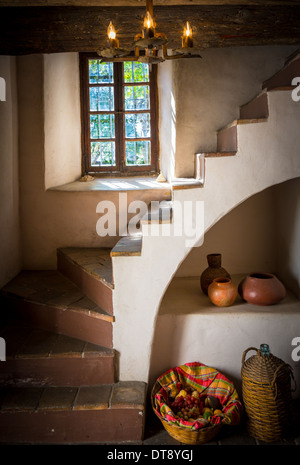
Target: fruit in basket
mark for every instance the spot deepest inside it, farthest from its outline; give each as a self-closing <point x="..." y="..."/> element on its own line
<point x="207" y="414"/>
<point x="188" y="407"/>
<point x="218" y="412"/>
<point x="182" y="393"/>
<point x="195" y="394"/>
<point x="212" y="402"/>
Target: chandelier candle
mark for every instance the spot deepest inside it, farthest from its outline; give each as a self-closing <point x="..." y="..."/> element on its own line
<point x="187" y="41"/>
<point x="148" y="31"/>
<point x="112" y="36"/>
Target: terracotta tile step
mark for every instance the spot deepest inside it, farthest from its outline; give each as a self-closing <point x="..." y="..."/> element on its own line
<point x="256" y="108"/>
<point x="285" y="75"/>
<point x="97" y="414"/>
<point x="48" y="300"/>
<point x="227" y="136"/>
<point x="95" y="261"/>
<point x="159" y="213"/>
<point x="41" y="357"/>
<point x="128" y="246"/>
<point x="91" y="270"/>
<point x="52" y="288"/>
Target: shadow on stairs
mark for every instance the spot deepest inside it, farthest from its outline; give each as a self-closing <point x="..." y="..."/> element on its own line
<point x="59" y="383"/>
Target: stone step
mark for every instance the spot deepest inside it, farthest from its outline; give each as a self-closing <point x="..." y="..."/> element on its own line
<point x="256" y="108"/>
<point x="73" y="415"/>
<point x="128" y="246"/>
<point x="161" y="212"/>
<point x="284" y="77"/>
<point x="38" y="357"/>
<point x="219" y="154"/>
<point x="186" y="183"/>
<point x="227" y="136"/>
<point x="91" y="270"/>
<point x="49" y="300"/>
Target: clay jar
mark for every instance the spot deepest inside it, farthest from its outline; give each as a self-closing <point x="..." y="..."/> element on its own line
<point x="262" y="289"/>
<point x="222" y="292"/>
<point x="214" y="270"/>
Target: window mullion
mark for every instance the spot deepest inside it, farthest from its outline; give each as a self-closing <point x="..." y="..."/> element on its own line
<point x="119" y="117"/>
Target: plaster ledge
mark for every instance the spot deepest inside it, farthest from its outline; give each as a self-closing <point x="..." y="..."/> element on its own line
<point x="184" y="297"/>
<point x="113" y="184"/>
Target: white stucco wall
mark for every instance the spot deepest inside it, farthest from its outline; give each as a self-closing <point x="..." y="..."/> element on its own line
<point x="266" y="156"/>
<point x="52" y="219"/>
<point x="209" y="92"/>
<point x="62" y="121"/>
<point x="197" y="330"/>
<point x="288" y="233"/>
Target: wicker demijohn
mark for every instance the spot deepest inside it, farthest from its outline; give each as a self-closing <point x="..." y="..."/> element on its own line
<point x="266" y="387"/>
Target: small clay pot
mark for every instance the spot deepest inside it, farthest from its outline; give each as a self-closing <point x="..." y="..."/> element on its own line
<point x="222" y="292"/>
<point x="262" y="289"/>
<point x="214" y="270"/>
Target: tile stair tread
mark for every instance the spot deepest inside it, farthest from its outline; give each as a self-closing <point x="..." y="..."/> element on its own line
<point x="95" y="261"/>
<point x="237" y="122"/>
<point x="291" y="66"/>
<point x="219" y="154"/>
<point x="186" y="183"/>
<point x="121" y="395"/>
<point x="159" y="213"/>
<point x="24" y="341"/>
<point x="128" y="246"/>
<point x="52" y="288"/>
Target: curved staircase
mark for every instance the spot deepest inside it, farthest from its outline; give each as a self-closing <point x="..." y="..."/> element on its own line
<point x="59" y="383"/>
<point x="74" y="332"/>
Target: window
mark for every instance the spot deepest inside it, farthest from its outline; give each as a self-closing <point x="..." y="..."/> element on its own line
<point x="119" y="108"/>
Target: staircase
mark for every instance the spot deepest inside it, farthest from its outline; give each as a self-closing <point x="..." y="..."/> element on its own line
<point x="59" y="383"/>
<point x="65" y="330"/>
<point x="257" y="110"/>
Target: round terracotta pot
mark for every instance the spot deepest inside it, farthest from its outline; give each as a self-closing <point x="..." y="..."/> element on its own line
<point x="222" y="292"/>
<point x="262" y="289"/>
<point x="214" y="270"/>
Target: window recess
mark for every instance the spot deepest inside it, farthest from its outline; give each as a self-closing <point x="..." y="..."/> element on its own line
<point x="119" y="117"/>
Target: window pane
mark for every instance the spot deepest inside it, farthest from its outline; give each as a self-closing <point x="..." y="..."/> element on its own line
<point x="102" y="126"/>
<point x="136" y="72"/>
<point x="137" y="97"/>
<point x="101" y="98"/>
<point x="138" y="152"/>
<point x="137" y="125"/>
<point x="100" y="73"/>
<point x="103" y="153"/>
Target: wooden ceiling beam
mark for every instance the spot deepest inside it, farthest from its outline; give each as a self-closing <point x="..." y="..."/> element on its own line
<point x="67" y="29"/>
<point x="138" y="3"/>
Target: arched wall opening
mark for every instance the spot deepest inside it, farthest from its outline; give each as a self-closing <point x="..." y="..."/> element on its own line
<point x="261" y="234"/>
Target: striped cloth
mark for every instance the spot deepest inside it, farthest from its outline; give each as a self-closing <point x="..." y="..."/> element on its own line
<point x="208" y="382"/>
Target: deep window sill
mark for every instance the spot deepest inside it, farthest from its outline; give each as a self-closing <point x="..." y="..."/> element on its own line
<point x="113" y="184"/>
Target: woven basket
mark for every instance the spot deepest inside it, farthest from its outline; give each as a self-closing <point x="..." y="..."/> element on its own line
<point x="266" y="390"/>
<point x="183" y="435"/>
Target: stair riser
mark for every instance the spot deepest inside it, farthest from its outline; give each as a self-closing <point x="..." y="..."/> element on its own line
<point x="71" y="323"/>
<point x="284" y="77"/>
<point x="227" y="140"/>
<point x="76" y="427"/>
<point x="92" y="287"/>
<point x="257" y="108"/>
<point x="58" y="371"/>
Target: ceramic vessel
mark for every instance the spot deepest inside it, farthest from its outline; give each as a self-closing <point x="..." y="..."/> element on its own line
<point x="222" y="292"/>
<point x="262" y="289"/>
<point x="214" y="270"/>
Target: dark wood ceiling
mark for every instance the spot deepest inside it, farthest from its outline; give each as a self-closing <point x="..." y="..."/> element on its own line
<point x="51" y="26"/>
